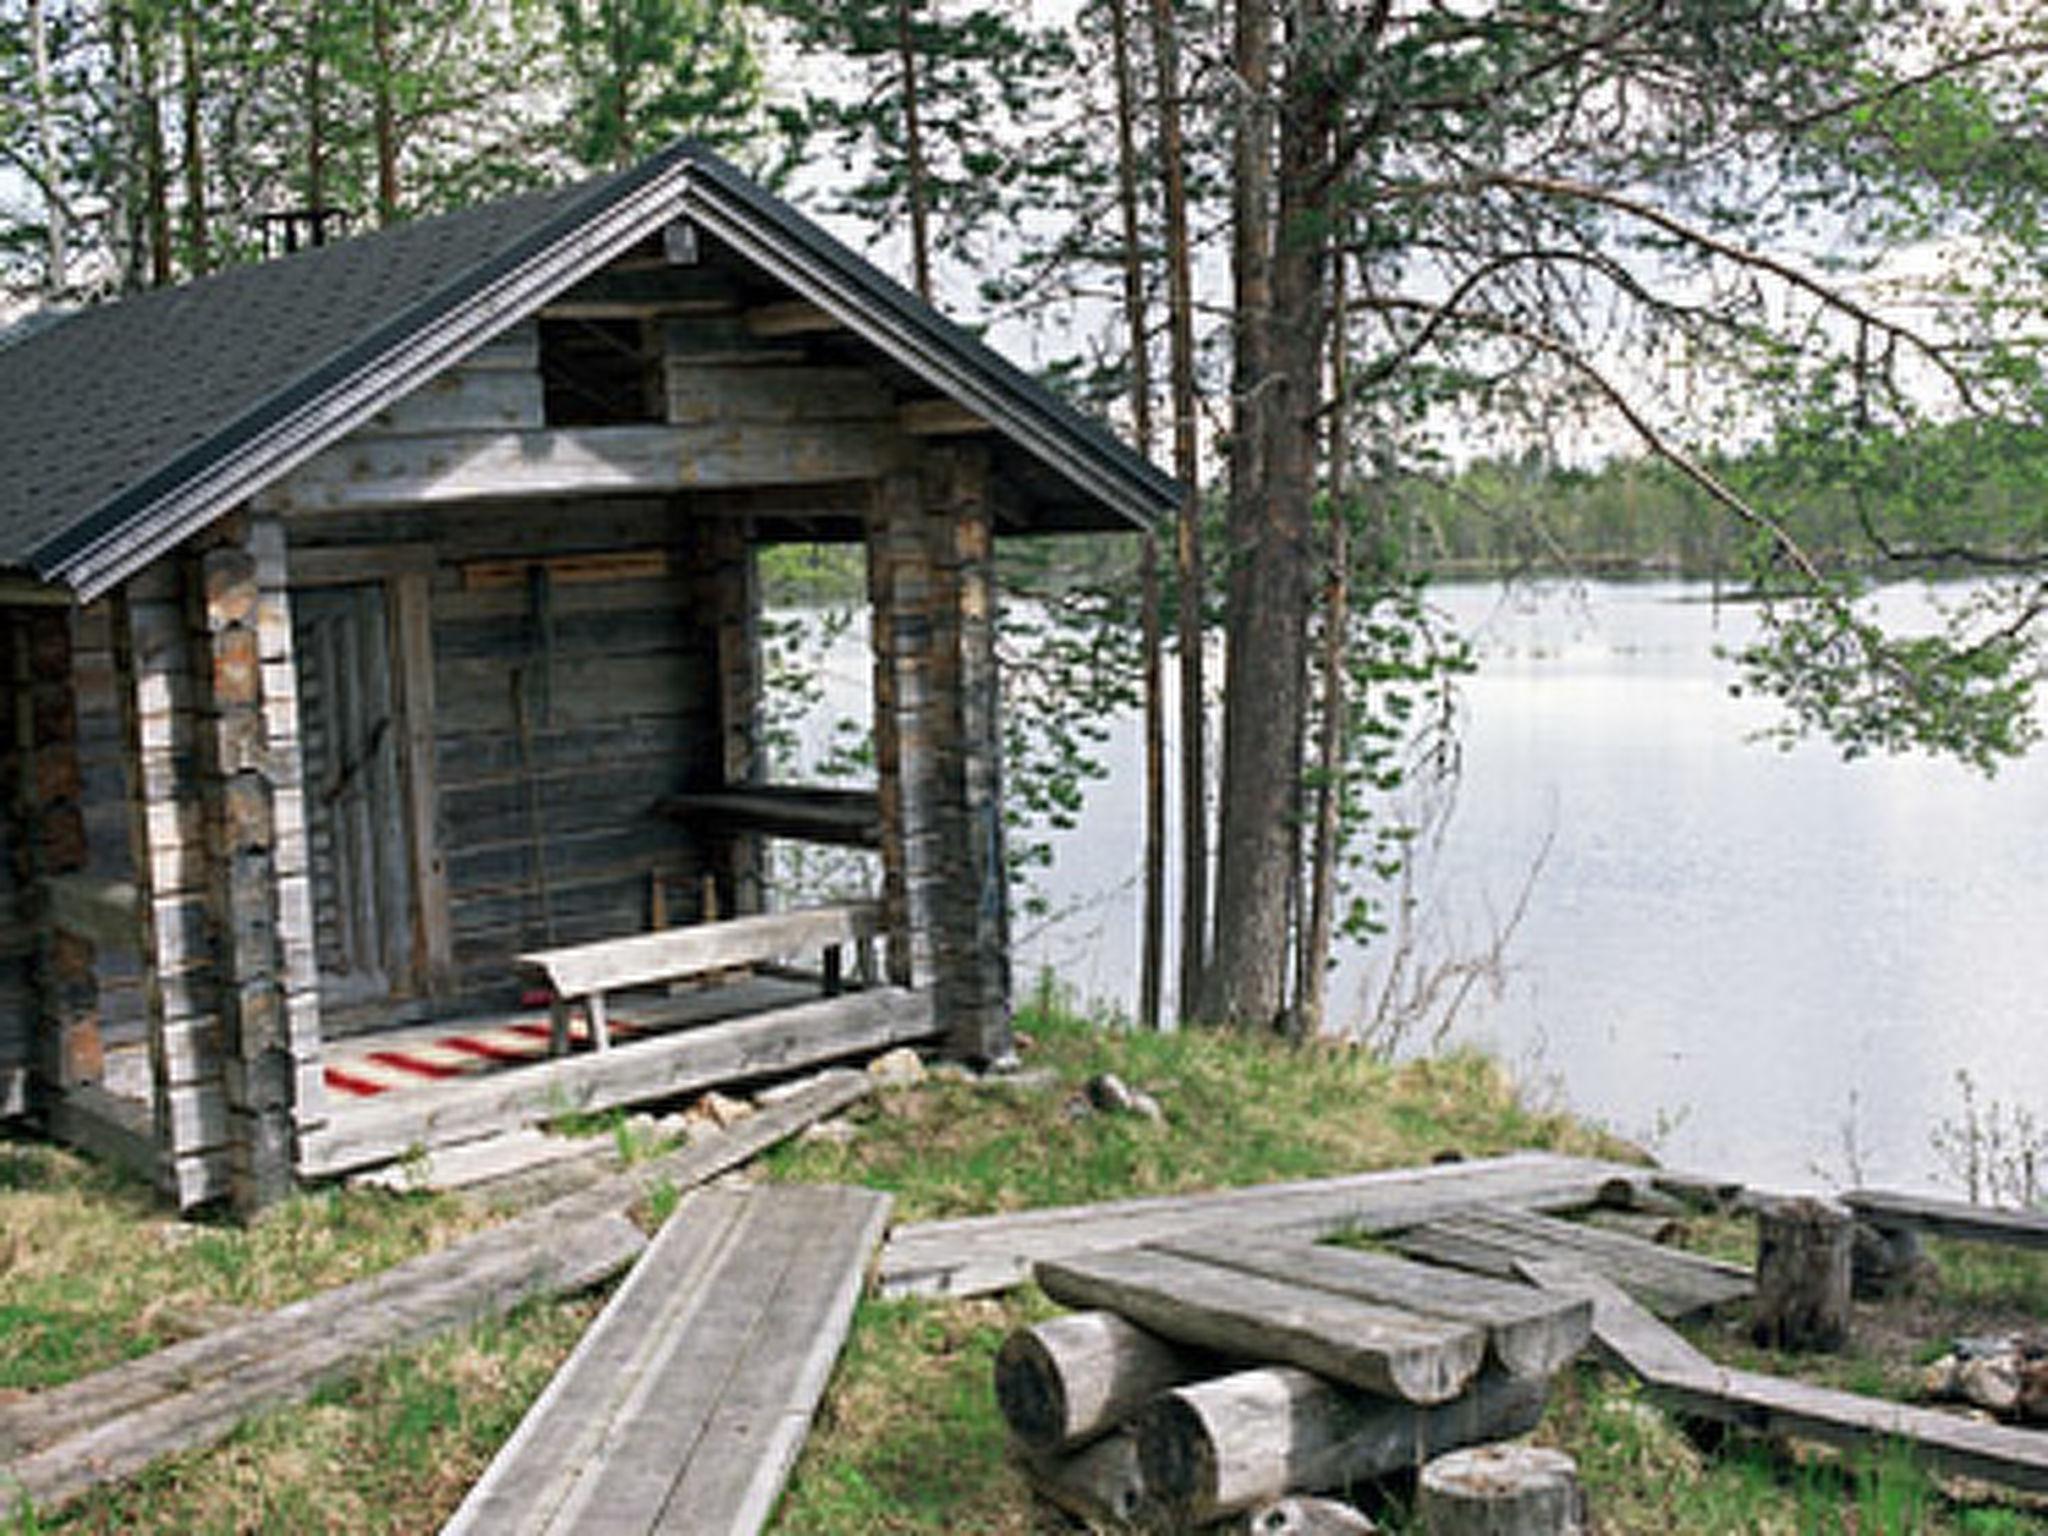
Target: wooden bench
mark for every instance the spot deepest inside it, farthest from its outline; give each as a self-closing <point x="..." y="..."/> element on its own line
<point x="685" y="1404"/>
<point x="588" y="973"/>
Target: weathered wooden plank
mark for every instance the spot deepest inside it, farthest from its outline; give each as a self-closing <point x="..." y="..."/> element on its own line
<point x="462" y="400"/>
<point x="737" y="1468"/>
<point x="781" y="1040"/>
<point x="683" y="1407"/>
<point x="515" y="347"/>
<point x="359" y="474"/>
<point x="1949" y="1218"/>
<point x="846" y="817"/>
<point x="792" y="317"/>
<point x="941" y="418"/>
<point x="698" y="395"/>
<point x="673" y="953"/>
<point x="970" y="1255"/>
<point x="107" y="1427"/>
<point x="1527" y="1333"/>
<point x="1382" y="1349"/>
<point x="1686" y="1381"/>
<point x="1489" y="1240"/>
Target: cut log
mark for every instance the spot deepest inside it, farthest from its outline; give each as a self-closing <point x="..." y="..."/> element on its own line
<point x="1307" y="1517"/>
<point x="1069" y="1379"/>
<point x="1659" y="1227"/>
<point x="1803" y="1253"/>
<point x="1385" y="1350"/>
<point x="1102" y="1483"/>
<point x="1502" y="1490"/>
<point x="1885" y="1261"/>
<point x="1528" y="1333"/>
<point x="1220" y="1447"/>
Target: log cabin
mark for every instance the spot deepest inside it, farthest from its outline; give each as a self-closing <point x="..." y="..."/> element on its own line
<point x="379" y="637"/>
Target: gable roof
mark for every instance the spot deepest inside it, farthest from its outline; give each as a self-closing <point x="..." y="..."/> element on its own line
<point x="127" y="427"/>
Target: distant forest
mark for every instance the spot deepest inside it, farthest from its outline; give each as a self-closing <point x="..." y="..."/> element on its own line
<point x="1914" y="505"/>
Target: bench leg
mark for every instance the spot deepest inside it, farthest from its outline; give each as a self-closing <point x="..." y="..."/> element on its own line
<point x="558" y="1025"/>
<point x="600" y="1023"/>
<point x="835" y="981"/>
<point x="864" y="963"/>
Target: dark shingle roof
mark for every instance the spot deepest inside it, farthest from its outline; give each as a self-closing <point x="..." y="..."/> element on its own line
<point x="125" y="427"/>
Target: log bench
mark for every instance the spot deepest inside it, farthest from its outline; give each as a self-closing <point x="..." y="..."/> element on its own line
<point x="589" y="973"/>
<point x="1891" y="1212"/>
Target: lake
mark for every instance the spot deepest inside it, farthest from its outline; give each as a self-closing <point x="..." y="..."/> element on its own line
<point x="1761" y="963"/>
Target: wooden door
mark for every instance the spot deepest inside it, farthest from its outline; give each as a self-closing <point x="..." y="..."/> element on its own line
<point x="351" y="737"/>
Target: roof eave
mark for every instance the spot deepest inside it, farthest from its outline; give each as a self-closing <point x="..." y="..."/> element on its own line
<point x="226" y="469"/>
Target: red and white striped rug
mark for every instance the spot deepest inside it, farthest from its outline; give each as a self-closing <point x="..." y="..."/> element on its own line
<point x="361" y="1069"/>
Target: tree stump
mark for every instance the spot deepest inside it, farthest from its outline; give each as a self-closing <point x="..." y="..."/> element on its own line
<point x="1502" y="1490"/>
<point x="1803" y="1254"/>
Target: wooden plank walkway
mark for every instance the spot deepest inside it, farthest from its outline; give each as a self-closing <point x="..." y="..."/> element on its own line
<point x="1949" y="1218"/>
<point x="683" y="1407"/>
<point x="1683" y="1379"/>
<point x="1493" y="1240"/>
<point x="974" y="1255"/>
<point x="1529" y="1334"/>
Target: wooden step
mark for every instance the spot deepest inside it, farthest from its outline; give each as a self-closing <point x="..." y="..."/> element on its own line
<point x="684" y="1406"/>
<point x="1491" y="1240"/>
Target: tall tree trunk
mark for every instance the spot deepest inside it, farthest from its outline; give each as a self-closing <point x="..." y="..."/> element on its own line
<point x="192" y="97"/>
<point x="57" y="272"/>
<point x="386" y="116"/>
<point x="1282" y="315"/>
<point x="156" y="171"/>
<point x="1188" y="560"/>
<point x="1248" y="967"/>
<point x="316" y="128"/>
<point x="1153" y="925"/>
<point x="916" y="186"/>
<point x="1312" y="970"/>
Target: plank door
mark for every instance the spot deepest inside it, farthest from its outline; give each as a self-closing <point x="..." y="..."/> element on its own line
<point x="351" y="734"/>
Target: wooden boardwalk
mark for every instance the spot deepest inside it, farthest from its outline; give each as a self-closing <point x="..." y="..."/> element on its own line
<point x="685" y="1404"/>
<point x="1495" y="1240"/>
<point x="1686" y="1381"/>
<point x="975" y="1255"/>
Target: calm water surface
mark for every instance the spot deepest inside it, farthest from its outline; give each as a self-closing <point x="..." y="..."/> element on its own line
<point x="1768" y="964"/>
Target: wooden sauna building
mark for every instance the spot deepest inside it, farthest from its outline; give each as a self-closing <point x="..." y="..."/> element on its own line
<point x="378" y="616"/>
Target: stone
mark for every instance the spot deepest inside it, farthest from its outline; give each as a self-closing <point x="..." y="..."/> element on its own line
<point x="1300" y="1515"/>
<point x="721" y="1110"/>
<point x="900" y="1068"/>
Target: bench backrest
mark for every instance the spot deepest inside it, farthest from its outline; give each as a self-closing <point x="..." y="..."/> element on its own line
<point x="670" y="954"/>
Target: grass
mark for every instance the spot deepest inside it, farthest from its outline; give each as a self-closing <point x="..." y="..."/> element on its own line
<point x="908" y="1439"/>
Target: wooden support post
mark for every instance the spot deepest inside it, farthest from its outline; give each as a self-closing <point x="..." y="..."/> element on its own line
<point x="729" y="596"/>
<point x="240" y="573"/>
<point x="938" y="744"/>
<point x="1803" y="1255"/>
<point x="1502" y="1490"/>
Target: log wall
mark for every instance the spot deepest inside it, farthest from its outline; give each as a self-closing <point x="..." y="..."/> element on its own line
<point x="17" y="938"/>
